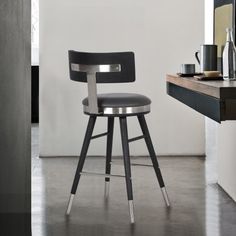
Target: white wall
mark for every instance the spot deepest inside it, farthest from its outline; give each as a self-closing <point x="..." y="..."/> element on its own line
<point x="226" y="149"/>
<point x="163" y="34"/>
<point x="222" y="135"/>
<point x="209" y="18"/>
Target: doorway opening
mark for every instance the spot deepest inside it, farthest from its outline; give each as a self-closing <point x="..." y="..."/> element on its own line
<point x="36" y="186"/>
<point x="35" y="61"/>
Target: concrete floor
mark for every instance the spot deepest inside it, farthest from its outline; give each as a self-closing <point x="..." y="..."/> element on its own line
<point x="199" y="205"/>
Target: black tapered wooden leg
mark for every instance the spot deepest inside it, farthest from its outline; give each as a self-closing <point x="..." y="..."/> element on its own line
<point x="153" y="156"/>
<point x="110" y="128"/>
<point x="126" y="155"/>
<point x="87" y="138"/>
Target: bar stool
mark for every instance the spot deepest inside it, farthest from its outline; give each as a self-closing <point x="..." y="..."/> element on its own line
<point x="119" y="67"/>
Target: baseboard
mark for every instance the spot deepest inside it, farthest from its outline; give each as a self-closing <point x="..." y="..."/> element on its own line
<point x="137" y="156"/>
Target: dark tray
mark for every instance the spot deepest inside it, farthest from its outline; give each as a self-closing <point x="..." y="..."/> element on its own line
<point x="207" y="78"/>
<point x="188" y="75"/>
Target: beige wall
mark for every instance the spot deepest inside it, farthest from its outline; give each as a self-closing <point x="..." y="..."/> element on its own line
<point x="163" y="34"/>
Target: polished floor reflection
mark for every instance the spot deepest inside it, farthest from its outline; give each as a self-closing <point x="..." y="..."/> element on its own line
<point x="199" y="206"/>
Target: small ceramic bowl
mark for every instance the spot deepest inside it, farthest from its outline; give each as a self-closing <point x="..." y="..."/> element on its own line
<point x="212" y="73"/>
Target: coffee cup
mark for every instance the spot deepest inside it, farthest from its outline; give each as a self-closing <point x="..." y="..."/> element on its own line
<point x="187" y="69"/>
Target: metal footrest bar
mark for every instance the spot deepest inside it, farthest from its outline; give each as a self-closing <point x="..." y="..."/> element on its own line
<point x="100" y="174"/>
<point x="132" y="164"/>
<point x="99" y="135"/>
<point x="136" y="138"/>
<point x="137" y="164"/>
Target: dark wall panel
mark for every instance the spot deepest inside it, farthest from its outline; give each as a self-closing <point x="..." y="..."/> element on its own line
<point x="15" y="152"/>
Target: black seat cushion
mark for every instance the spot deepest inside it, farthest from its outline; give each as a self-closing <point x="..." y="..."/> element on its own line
<point x="120" y="100"/>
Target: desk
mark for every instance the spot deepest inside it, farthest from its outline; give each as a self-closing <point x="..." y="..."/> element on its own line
<point x="214" y="99"/>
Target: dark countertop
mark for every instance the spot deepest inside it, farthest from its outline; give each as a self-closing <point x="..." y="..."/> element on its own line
<point x="215" y="99"/>
<point x="219" y="89"/>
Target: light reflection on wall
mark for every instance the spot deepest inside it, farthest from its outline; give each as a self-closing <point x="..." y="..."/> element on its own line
<point x="35" y="23"/>
<point x="34" y="32"/>
<point x="38" y="200"/>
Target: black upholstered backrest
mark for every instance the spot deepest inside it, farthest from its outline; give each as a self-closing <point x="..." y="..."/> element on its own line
<point x="119" y="66"/>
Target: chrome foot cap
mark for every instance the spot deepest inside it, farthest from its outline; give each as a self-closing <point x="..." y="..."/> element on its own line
<point x="131" y="211"/>
<point x="70" y="204"/>
<point x="165" y="196"/>
<point x="106" y="190"/>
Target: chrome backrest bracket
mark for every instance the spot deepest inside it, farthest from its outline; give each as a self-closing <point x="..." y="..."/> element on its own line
<point x="91" y="71"/>
<point x="92" y="93"/>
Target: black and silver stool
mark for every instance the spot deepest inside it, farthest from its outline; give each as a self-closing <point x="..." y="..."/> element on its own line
<point x="93" y="68"/>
